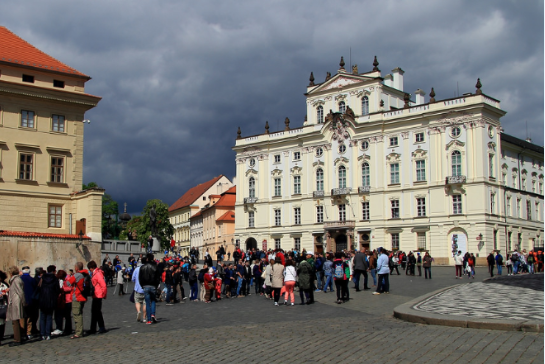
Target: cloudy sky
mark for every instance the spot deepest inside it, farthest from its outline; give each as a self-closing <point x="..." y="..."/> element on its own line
<point x="178" y="77"/>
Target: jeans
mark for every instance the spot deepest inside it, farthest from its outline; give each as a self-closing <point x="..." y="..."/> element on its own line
<point x="149" y="293"/>
<point x="46" y="322"/>
<point x="194" y="287"/>
<point x="499" y="268"/>
<point x="516" y="267"/>
<point x="239" y="286"/>
<point x="427" y="271"/>
<point x="258" y="285"/>
<point x="491" y="270"/>
<point x="319" y="275"/>
<point x="383" y="283"/>
<point x="328" y="282"/>
<point x="357" y="274"/>
<point x="96" y="315"/>
<point x="531" y="268"/>
<point x="169" y="292"/>
<point x="374" y="275"/>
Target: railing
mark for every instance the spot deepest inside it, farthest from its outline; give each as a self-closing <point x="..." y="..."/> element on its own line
<point x="318" y="194"/>
<point x="339" y="224"/>
<point x="455" y="180"/>
<point x="248" y="200"/>
<point x="340" y="191"/>
<point x="364" y="189"/>
<point x="454" y="102"/>
<point x="419" y="108"/>
<point x="393" y="113"/>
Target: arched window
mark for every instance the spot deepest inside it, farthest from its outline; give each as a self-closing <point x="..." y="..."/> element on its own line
<point x="365" y="179"/>
<point x="342" y="107"/>
<point x="319" y="179"/>
<point x="365" y="105"/>
<point x="456" y="163"/>
<point x="342" y="177"/>
<point x="251" y="187"/>
<point x="320" y="114"/>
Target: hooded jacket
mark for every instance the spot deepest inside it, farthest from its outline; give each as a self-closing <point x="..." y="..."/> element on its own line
<point x="78" y="284"/>
<point x="49" y="292"/>
<point x="99" y="283"/>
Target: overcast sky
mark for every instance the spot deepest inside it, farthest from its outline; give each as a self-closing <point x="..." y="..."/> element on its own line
<point x="178" y="77"/>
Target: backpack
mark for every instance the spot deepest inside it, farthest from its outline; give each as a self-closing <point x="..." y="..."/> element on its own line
<point x="500" y="260"/>
<point x="339" y="271"/>
<point x="88" y="289"/>
<point x="530" y="258"/>
<point x="514" y="258"/>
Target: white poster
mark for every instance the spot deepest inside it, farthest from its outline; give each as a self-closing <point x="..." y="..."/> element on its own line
<point x="459" y="243"/>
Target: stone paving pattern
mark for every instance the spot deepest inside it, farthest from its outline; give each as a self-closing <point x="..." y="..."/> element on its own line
<point x="252" y="329"/>
<point x="515" y="297"/>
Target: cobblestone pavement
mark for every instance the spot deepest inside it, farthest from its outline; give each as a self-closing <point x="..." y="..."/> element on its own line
<point x="514" y="297"/>
<point x="252" y="329"/>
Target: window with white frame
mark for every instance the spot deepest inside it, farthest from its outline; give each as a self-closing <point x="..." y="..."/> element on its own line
<point x="277" y="217"/>
<point x="342" y="177"/>
<point x="277" y="187"/>
<point x="491" y="166"/>
<point x="421" y="206"/>
<point x="342" y="107"/>
<point x="508" y="206"/>
<point x="342" y="212"/>
<point x="537" y="214"/>
<point x="319" y="179"/>
<point x="251" y="187"/>
<point x="26" y="166"/>
<point x="456" y="163"/>
<point x="395" y="241"/>
<point x="495" y="239"/>
<point x="297" y="244"/>
<point x="492" y="203"/>
<point x="55" y="216"/>
<point x="365" y="177"/>
<point x="57" y="169"/>
<point x="421" y="240"/>
<point x="365" y="210"/>
<point x="419" y="137"/>
<point x="395" y="209"/>
<point x="518" y="208"/>
<point x="297" y="216"/>
<point x="456" y="204"/>
<point x="277" y="158"/>
<point x="364" y="105"/>
<point x="528" y="210"/>
<point x="319" y="214"/>
<point x="27" y="119"/>
<point x="394" y="173"/>
<point x="251" y="219"/>
<point x="421" y="170"/>
<point x="393" y="142"/>
<point x="57" y="123"/>
<point x="277" y="244"/>
<point x="296" y="185"/>
<point x="320" y="114"/>
<point x="296" y="156"/>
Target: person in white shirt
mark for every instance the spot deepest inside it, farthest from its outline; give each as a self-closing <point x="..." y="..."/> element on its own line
<point x="290" y="276"/>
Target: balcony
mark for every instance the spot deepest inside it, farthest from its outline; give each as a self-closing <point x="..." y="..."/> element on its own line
<point x="342" y="224"/>
<point x="364" y="189"/>
<point x="452" y="180"/>
<point x="249" y="200"/>
<point x="340" y="191"/>
<point x="318" y="194"/>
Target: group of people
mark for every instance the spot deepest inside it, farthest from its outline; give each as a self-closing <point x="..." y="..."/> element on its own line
<point x="408" y="262"/>
<point x="51" y="296"/>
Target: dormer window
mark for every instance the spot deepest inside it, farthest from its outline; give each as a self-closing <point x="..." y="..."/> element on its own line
<point x="57" y="83"/>
<point x="342" y="107"/>
<point x="28" y="78"/>
<point x="365" y="105"/>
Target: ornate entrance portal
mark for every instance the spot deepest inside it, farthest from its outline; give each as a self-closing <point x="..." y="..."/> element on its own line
<point x="251" y="243"/>
<point x="341" y="242"/>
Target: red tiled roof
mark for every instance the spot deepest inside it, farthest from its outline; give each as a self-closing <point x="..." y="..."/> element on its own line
<point x="16" y="50"/>
<point x="197" y="214"/>
<point x="232" y="190"/>
<point x="40" y="235"/>
<point x="226" y="200"/>
<point x="228" y="216"/>
<point x="193" y="194"/>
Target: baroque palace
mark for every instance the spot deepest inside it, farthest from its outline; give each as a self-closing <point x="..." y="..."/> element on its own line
<point x="45" y="216"/>
<point x="372" y="167"/>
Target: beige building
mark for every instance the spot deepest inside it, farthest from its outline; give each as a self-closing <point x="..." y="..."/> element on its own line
<point x="188" y="205"/>
<point x="44" y="212"/>
<point x="372" y="167"/>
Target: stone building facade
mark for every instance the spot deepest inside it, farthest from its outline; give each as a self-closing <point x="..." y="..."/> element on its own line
<point x="45" y="217"/>
<point x="372" y="167"/>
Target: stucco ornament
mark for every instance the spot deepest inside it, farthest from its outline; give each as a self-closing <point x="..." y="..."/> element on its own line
<point x="339" y="127"/>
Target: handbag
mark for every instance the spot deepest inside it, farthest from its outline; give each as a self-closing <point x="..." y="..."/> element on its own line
<point x="131" y="298"/>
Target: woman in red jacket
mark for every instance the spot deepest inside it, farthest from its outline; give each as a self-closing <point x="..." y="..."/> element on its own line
<point x="209" y="285"/>
<point x="100" y="292"/>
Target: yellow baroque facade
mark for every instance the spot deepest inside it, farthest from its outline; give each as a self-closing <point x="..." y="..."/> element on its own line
<point x="373" y="167"/>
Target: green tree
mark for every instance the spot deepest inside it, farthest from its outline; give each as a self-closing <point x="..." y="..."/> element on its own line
<point x="110" y="212"/>
<point x="164" y="229"/>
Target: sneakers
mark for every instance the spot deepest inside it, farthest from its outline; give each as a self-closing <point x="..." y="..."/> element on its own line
<point x="276" y="303"/>
<point x="153" y="319"/>
<point x="56" y="332"/>
<point x="293" y="304"/>
<point x="318" y="290"/>
<point x="148" y="323"/>
<point x="376" y="293"/>
<point x="138" y="316"/>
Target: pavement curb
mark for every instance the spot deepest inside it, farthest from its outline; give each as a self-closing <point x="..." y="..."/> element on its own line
<point x="406" y="312"/>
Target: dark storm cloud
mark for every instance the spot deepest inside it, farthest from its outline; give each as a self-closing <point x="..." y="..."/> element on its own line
<point x="178" y="78"/>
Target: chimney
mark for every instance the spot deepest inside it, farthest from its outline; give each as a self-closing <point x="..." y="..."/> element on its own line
<point x="398" y="78"/>
<point x="419" y="95"/>
<point x="388" y="80"/>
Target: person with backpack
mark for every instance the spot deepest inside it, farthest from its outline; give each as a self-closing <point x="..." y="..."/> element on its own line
<point x="515" y="261"/>
<point x="427" y="265"/>
<point x="499" y="262"/>
<point x="81" y="290"/>
<point x="341" y="268"/>
<point x="319" y="266"/>
<point x="491" y="263"/>
<point x="470" y="267"/>
<point x="530" y="259"/>
<point x="99" y="293"/>
<point x="49" y="295"/>
<point x="383" y="271"/>
<point x="328" y="273"/>
<point x="149" y="278"/>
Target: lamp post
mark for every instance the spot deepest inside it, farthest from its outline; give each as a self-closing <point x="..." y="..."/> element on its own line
<point x="80" y="234"/>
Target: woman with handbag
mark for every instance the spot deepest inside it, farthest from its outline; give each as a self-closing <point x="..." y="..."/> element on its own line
<point x="277" y="279"/>
<point x="16" y="303"/>
<point x="3" y="303"/>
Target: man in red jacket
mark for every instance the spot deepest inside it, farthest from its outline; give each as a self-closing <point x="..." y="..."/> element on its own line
<point x="100" y="292"/>
<point x="78" y="299"/>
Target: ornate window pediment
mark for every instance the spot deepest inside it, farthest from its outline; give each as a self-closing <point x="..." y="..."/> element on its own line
<point x="296" y="170"/>
<point x="364" y="157"/>
<point x="454" y="143"/>
<point x="317" y="103"/>
<point x="317" y="163"/>
<point x="340" y="97"/>
<point x="419" y="154"/>
<point x="504" y="167"/>
<point x="393" y="157"/>
<point x="276" y="172"/>
<point x="340" y="160"/>
<point x="250" y="172"/>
